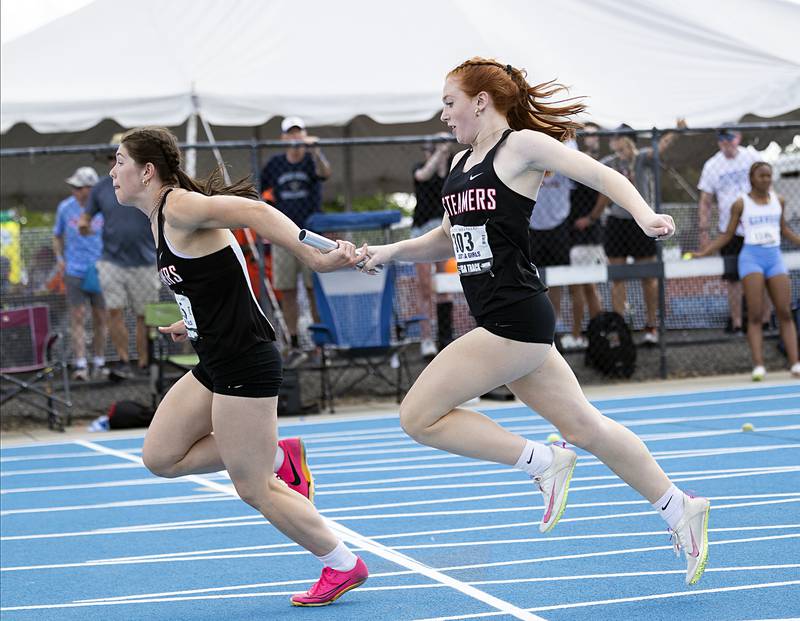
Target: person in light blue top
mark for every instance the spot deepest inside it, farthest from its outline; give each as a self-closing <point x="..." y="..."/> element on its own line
<point x="77" y="255"/>
<point x="761" y="215"/>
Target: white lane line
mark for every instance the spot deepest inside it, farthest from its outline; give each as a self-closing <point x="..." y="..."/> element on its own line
<point x="247" y="553"/>
<point x="563" y="557"/>
<point x="363" y="434"/>
<point x="624" y="600"/>
<point x="104" y="467"/>
<point x="364" y="543"/>
<point x="659" y="533"/>
<point x="207" y="497"/>
<point x="201" y="498"/>
<point x="393" y="416"/>
<point x="410" y="447"/>
<point x="568" y="578"/>
<point x="529" y="509"/>
<point x="261" y="550"/>
<point x="125" y="504"/>
<point x="354" y="487"/>
<point x="317" y="438"/>
<point x="104" y="484"/>
<point x="257" y="520"/>
<point x="584" y="461"/>
<point x="528" y="614"/>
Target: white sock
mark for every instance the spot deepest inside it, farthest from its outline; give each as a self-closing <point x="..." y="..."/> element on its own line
<point x="535" y="458"/>
<point x="99" y="361"/>
<point x="279" y="457"/>
<point x="80" y="363"/>
<point x="340" y="558"/>
<point x="670" y="506"/>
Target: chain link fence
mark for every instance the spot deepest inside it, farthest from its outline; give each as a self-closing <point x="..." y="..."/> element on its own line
<point x="684" y="315"/>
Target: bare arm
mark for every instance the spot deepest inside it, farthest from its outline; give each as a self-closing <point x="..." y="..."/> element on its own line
<point x="540" y="152"/>
<point x="191" y="211"/>
<point x="428" y="170"/>
<point x="786" y="230"/>
<point x="58" y="247"/>
<point x="321" y="165"/>
<point x="736" y="214"/>
<point x="433" y="246"/>
<point x="600" y="205"/>
<point x="704" y="215"/>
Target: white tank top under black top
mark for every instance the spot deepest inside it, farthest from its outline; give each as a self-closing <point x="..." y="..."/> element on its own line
<point x="489" y="231"/>
<point x="762" y="223"/>
<point x="216" y="301"/>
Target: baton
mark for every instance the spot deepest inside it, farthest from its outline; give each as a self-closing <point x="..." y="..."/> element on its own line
<point x="326" y="245"/>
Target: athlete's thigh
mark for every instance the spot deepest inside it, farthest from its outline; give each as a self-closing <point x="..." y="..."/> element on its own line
<point x="552" y="390"/>
<point x="182" y="418"/>
<point x="470" y="366"/>
<point x="246" y="433"/>
<point x="780" y="290"/>
<point x="754" y="288"/>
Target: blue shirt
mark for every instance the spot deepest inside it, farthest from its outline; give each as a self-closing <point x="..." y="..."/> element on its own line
<point x="296" y="188"/>
<point x="80" y="252"/>
<point x="127" y="238"/>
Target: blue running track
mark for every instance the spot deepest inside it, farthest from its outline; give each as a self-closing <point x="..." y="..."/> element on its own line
<point x="88" y="533"/>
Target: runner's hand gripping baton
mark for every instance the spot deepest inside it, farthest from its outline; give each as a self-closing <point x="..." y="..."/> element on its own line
<point x="326" y="245"/>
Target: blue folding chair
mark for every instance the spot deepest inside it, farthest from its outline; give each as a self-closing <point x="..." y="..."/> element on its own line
<point x="359" y="329"/>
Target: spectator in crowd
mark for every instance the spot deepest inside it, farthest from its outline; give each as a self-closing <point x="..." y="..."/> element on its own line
<point x="292" y="182"/>
<point x="760" y="215"/>
<point x="429" y="179"/>
<point x="586" y="245"/>
<point x="723" y="180"/>
<point x="126" y="272"/>
<point x="623" y="237"/>
<point x="78" y="254"/>
<point x="549" y="226"/>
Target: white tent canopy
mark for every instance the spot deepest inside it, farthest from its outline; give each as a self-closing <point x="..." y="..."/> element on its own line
<point x="642" y="62"/>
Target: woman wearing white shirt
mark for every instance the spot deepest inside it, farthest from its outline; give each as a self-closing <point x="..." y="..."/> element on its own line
<point x="761" y="265"/>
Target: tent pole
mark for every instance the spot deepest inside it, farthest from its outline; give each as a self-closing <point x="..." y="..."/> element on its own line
<point x="266" y="293"/>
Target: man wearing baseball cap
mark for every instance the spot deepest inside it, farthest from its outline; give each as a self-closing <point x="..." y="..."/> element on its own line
<point x="725" y="177"/>
<point x="126" y="268"/>
<point x="292" y="182"/>
<point x="77" y="255"/>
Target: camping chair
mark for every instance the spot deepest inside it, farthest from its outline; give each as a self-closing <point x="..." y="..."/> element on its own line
<point x="355" y="331"/>
<point x="28" y="363"/>
<point x="163" y="314"/>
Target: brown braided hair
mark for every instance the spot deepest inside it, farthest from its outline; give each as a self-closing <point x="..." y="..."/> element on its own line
<point x="517" y="100"/>
<point x="159" y="146"/>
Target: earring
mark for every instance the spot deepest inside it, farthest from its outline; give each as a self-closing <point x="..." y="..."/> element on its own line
<point x="145" y="182"/>
<point x="477" y="112"/>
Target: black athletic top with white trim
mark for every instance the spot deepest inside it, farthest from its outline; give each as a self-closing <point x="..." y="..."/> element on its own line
<point x="213" y="292"/>
<point x="489" y="230"/>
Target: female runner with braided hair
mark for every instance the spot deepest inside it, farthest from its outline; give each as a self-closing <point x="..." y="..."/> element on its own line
<point x="514" y="136"/>
<point x="223" y="414"/>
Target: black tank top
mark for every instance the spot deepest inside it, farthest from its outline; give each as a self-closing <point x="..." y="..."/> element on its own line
<point x="215" y="298"/>
<point x="489" y="230"/>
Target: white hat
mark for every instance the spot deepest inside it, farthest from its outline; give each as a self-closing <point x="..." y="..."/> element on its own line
<point x="84" y="177"/>
<point x="292" y="121"/>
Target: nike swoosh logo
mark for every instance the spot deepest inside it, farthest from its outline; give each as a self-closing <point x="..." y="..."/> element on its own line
<point x="695" y="550"/>
<point x="664" y="508"/>
<point x="530" y="458"/>
<point x="294" y="471"/>
<point x="471" y="177"/>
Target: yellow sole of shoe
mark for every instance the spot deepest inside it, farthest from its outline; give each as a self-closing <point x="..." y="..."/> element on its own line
<point x="563" y="505"/>
<point x="306" y="471"/>
<point x="701" y="567"/>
